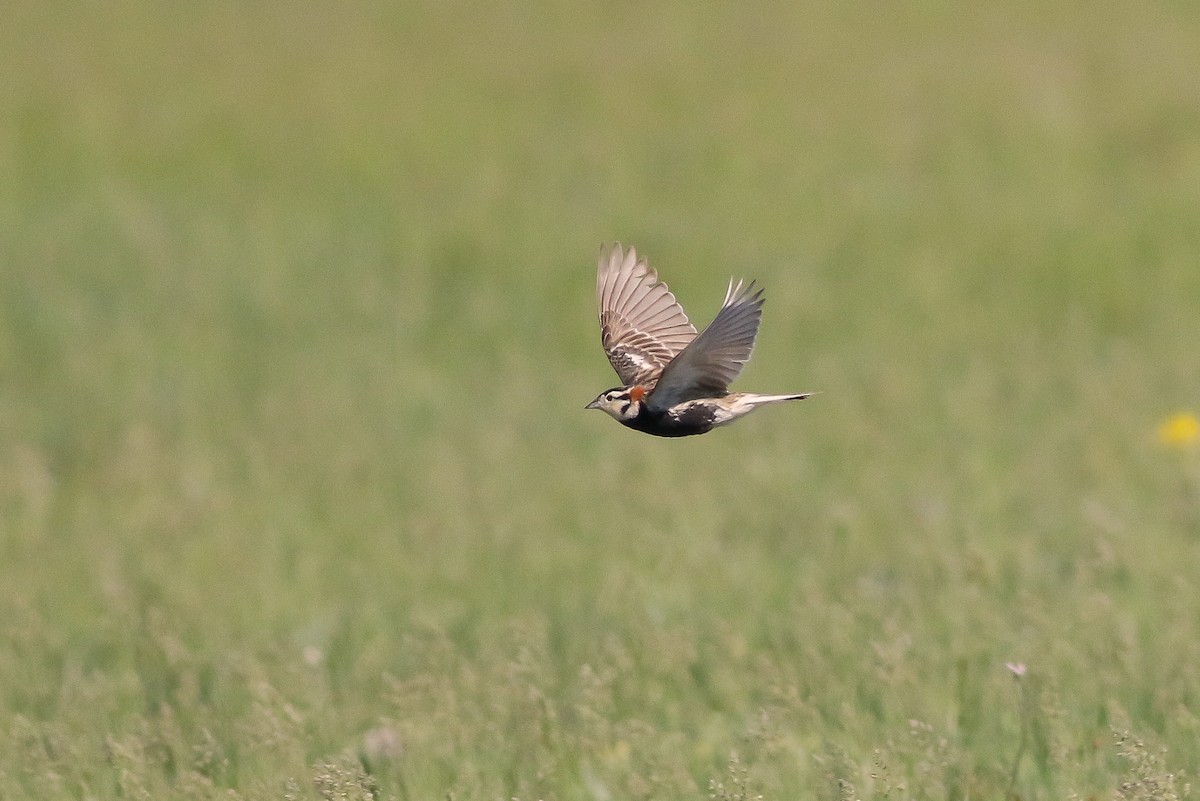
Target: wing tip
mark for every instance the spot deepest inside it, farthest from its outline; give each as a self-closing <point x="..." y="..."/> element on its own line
<point x="741" y="292"/>
<point x="610" y="253"/>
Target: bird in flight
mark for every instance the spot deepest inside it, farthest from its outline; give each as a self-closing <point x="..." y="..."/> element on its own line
<point x="674" y="381"/>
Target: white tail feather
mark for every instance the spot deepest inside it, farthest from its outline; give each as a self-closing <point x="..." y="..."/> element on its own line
<point x="740" y="404"/>
<point x="750" y="399"/>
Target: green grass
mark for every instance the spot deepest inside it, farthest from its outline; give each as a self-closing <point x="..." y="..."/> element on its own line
<point x="298" y="498"/>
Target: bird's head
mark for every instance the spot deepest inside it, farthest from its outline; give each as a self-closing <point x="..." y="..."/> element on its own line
<point x="622" y="403"/>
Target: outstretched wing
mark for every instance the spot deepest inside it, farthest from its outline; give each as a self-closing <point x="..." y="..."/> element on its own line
<point x="641" y="324"/>
<point x="710" y="363"/>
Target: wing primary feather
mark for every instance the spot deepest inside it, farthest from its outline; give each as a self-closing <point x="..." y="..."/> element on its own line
<point x="711" y="361"/>
<point x="642" y="325"/>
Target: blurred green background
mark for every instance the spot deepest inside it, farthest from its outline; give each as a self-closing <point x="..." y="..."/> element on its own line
<point x="298" y="498"/>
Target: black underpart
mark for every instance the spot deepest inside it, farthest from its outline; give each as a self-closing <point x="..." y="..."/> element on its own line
<point x="694" y="420"/>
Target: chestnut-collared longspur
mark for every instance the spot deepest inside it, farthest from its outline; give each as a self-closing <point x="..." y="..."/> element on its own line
<point x="674" y="381"/>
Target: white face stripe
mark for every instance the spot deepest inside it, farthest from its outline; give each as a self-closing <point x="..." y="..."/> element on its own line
<point x="619" y="406"/>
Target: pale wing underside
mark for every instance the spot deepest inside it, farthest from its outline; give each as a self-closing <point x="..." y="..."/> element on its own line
<point x="710" y="363"/>
<point x="641" y="325"/>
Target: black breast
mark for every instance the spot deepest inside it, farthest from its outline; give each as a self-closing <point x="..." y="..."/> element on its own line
<point x="693" y="420"/>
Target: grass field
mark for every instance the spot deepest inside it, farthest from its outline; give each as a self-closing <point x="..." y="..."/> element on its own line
<point x="298" y="498"/>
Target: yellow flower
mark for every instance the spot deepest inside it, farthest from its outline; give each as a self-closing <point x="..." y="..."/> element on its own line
<point x="1179" y="430"/>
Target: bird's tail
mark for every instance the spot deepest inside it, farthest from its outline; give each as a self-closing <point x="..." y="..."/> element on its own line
<point x="750" y="399"/>
<point x="739" y="404"/>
